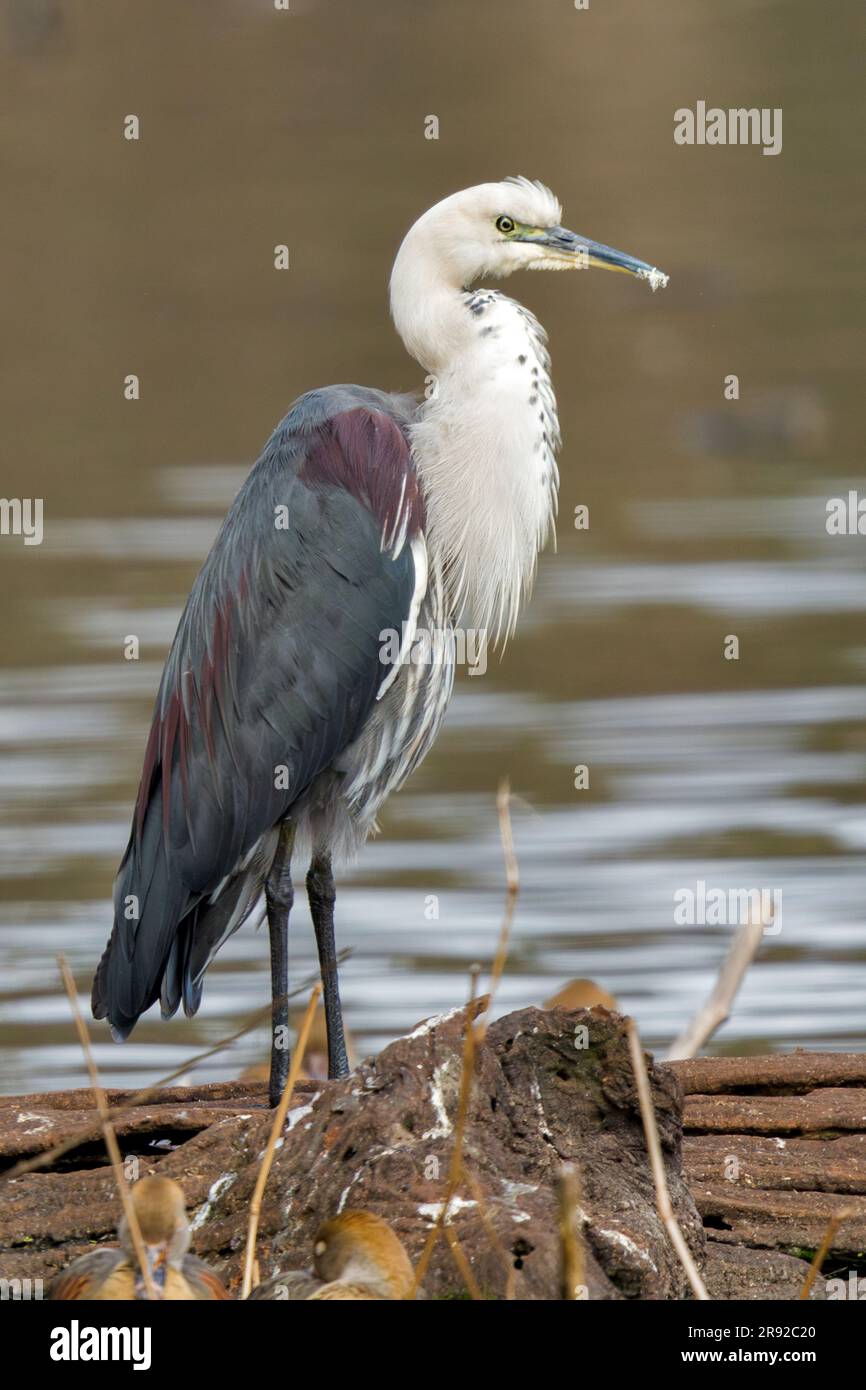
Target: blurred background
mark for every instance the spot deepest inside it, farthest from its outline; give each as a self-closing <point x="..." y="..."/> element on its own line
<point x="707" y="517"/>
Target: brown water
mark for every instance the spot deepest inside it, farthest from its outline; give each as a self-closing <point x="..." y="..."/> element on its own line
<point x="707" y="516"/>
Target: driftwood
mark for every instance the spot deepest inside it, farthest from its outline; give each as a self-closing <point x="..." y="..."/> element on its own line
<point x="717" y="1008"/>
<point x="654" y="1148"/>
<point x="789" y="1073"/>
<point x="774" y="1149"/>
<point x="760" y="1153"/>
<point x="548" y="1087"/>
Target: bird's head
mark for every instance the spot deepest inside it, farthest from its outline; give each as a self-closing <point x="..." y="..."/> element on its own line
<point x="161" y="1214"/>
<point x="359" y="1247"/>
<point x="494" y="229"/>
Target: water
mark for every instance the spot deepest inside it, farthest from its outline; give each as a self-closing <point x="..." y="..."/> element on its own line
<point x="707" y="517"/>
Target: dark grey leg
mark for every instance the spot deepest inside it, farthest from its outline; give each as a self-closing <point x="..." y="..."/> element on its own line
<point x="279" y="897"/>
<point x="322" y="896"/>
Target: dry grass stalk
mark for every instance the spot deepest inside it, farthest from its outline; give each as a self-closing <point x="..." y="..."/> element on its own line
<point x="490" y="1230"/>
<point x="456" y="1166"/>
<point x="461" y="1262"/>
<point x="512" y="889"/>
<point x="473" y="1037"/>
<point x="83" y="1136"/>
<point x="109" y="1135"/>
<point x="276" y="1131"/>
<point x="823" y="1250"/>
<point x="654" y="1149"/>
<point x="717" y="1008"/>
<point x="572" y="1269"/>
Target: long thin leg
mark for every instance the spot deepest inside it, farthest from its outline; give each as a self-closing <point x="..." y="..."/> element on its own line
<point x="322" y="896"/>
<point x="279" y="897"/>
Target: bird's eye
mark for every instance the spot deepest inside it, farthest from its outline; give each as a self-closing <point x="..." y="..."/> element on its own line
<point x="504" y="224"/>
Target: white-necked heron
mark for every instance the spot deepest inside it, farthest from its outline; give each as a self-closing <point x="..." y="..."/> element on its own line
<point x="280" y="720"/>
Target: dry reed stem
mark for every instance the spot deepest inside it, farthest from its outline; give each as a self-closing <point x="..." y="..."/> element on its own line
<point x="276" y="1130"/>
<point x="29" y="1165"/>
<point x="717" y="1008"/>
<point x="512" y="889"/>
<point x="473" y="1037"/>
<point x="109" y="1135"/>
<point x="462" y="1263"/>
<point x="654" y="1149"/>
<point x="821" y="1253"/>
<point x="572" y="1271"/>
<point x="456" y="1166"/>
<point x="507" y="1260"/>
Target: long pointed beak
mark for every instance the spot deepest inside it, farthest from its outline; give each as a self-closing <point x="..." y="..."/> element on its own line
<point x="580" y="253"/>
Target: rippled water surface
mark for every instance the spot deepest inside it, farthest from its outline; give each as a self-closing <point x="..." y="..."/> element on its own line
<point x="707" y="517"/>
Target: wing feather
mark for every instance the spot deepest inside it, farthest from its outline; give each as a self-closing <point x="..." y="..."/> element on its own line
<point x="275" y="664"/>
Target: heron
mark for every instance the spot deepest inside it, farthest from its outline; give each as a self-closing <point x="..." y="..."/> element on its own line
<point x="283" y="720"/>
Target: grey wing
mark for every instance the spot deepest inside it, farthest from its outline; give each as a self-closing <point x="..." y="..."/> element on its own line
<point x="274" y="669"/>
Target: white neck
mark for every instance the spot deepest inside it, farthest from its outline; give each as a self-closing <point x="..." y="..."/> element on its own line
<point x="484" y="440"/>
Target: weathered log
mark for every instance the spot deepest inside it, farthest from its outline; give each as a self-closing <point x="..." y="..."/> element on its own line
<point x="784" y="1074"/>
<point x="736" y="1272"/>
<point x="34" y="1124"/>
<point x="543" y="1093"/>
<point x="775" y="1147"/>
<point x="806" y="1165"/>
<point x="821" y="1111"/>
<point x="780" y="1220"/>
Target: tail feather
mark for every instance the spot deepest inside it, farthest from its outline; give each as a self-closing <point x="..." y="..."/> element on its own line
<point x="167" y="928"/>
<point x="212" y="923"/>
<point x="164" y="953"/>
<point x="128" y="977"/>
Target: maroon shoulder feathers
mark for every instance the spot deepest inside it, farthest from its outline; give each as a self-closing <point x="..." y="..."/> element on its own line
<point x="366" y="452"/>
